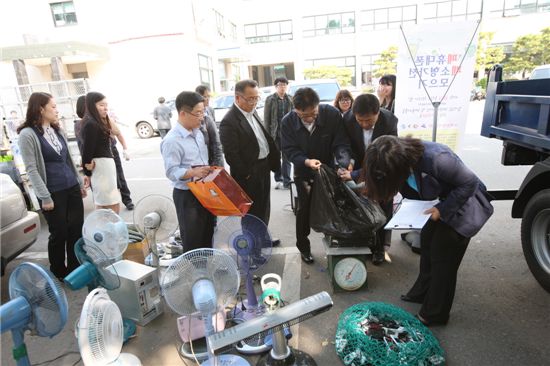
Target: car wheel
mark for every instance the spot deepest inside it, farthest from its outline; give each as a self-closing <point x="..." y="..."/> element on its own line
<point x="535" y="237"/>
<point x="144" y="130"/>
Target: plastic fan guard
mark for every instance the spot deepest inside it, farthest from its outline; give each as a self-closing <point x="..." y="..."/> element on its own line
<point x="107" y="231"/>
<point x="205" y="263"/>
<point x="108" y="278"/>
<point x="162" y="205"/>
<point x="44" y="294"/>
<point x="100" y="329"/>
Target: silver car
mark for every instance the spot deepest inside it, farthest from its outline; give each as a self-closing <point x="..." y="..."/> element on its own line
<point x="223" y="102"/>
<point x="19" y="226"/>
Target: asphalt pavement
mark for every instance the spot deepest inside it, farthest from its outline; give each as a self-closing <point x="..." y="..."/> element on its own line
<point x="500" y="314"/>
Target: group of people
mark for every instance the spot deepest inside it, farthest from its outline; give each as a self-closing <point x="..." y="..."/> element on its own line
<point x="54" y="176"/>
<point x="358" y="138"/>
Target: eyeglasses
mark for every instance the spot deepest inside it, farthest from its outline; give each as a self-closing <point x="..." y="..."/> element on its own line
<point x="198" y="115"/>
<point x="280" y="85"/>
<point x="250" y="100"/>
<point x="345" y="100"/>
<point x="304" y="116"/>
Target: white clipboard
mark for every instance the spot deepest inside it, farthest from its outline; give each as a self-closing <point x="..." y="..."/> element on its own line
<point x="410" y="215"/>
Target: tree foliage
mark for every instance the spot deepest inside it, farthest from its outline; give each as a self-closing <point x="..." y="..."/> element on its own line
<point x="386" y="62"/>
<point x="529" y="51"/>
<point x="486" y="55"/>
<point x="342" y="74"/>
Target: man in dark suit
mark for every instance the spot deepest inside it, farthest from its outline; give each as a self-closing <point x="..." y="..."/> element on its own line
<point x="365" y="122"/>
<point x="312" y="134"/>
<point x="249" y="149"/>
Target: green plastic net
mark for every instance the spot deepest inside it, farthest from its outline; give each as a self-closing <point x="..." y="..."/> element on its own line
<point x="376" y="334"/>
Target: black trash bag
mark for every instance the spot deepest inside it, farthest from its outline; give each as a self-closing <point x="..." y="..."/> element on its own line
<point x="337" y="211"/>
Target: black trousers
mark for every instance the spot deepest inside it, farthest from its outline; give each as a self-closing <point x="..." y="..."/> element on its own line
<point x="258" y="188"/>
<point x="303" y="188"/>
<point x="383" y="237"/>
<point x="442" y="250"/>
<point x="196" y="223"/>
<point x="65" y="226"/>
<point x="284" y="174"/>
<point x="121" y="180"/>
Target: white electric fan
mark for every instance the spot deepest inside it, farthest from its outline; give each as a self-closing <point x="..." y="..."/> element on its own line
<point x="203" y="281"/>
<point x="38" y="304"/>
<point x="105" y="229"/>
<point x="155" y="216"/>
<point x="100" y="332"/>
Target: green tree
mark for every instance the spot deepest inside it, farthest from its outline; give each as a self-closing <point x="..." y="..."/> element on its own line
<point x="528" y="52"/>
<point x="487" y="55"/>
<point x="386" y="62"/>
<point x="342" y="74"/>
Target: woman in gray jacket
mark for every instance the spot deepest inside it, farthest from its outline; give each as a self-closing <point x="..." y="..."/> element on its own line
<point x="55" y="180"/>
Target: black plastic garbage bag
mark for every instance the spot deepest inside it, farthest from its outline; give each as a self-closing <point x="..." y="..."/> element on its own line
<point x="337" y="211"/>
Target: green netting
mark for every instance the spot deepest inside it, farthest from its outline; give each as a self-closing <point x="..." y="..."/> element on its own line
<point x="380" y="334"/>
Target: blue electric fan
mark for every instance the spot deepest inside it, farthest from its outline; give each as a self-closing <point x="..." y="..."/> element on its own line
<point x="38" y="303"/>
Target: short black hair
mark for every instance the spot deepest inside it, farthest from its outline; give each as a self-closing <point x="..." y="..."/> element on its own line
<point x="243" y="84"/>
<point x="305" y="98"/>
<point x="188" y="100"/>
<point x="366" y="104"/>
<point x="81" y="106"/>
<point x="280" y="80"/>
<point x="161" y="100"/>
<point x="202" y="89"/>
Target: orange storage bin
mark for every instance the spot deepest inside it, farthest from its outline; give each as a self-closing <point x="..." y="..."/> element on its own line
<point x="220" y="194"/>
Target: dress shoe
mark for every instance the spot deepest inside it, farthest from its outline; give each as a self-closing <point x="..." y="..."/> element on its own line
<point x="130" y="206"/>
<point x="428" y="323"/>
<point x="279" y="185"/>
<point x="307" y="258"/>
<point x="377" y="258"/>
<point x="408" y="298"/>
<point x="275" y="242"/>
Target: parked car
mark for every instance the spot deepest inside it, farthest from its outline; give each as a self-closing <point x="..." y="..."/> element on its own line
<point x="540" y="72"/>
<point x="224" y="101"/>
<point x="147" y="127"/>
<point x="326" y="88"/>
<point x="20" y="227"/>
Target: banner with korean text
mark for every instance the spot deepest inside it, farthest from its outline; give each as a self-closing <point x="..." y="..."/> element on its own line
<point x="437" y="51"/>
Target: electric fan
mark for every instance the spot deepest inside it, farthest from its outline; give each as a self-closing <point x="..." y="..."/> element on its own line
<point x="203" y="281"/>
<point x="273" y="322"/>
<point x="100" y="332"/>
<point x="38" y="303"/>
<point x="155" y="216"/>
<point x="248" y="241"/>
<point x="107" y="231"/>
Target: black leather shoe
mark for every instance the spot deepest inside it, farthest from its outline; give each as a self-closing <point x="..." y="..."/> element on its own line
<point x="307" y="258"/>
<point x="130" y="206"/>
<point x="377" y="258"/>
<point x="408" y="298"/>
<point x="275" y="242"/>
<point x="429" y="323"/>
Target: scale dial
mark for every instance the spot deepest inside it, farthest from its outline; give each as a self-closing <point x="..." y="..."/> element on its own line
<point x="350" y="273"/>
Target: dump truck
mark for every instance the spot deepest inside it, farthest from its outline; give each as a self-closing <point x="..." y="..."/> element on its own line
<point x="518" y="113"/>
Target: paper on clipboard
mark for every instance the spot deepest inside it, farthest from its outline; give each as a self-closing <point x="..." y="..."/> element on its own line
<point x="410" y="215"/>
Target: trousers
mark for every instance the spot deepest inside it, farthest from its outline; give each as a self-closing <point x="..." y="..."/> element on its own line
<point x="196" y="222"/>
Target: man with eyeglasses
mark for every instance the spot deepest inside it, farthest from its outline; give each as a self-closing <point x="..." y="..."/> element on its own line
<point x="277" y="105"/>
<point x="185" y="156"/>
<point x="364" y="123"/>
<point x="249" y="149"/>
<point x="312" y="134"/>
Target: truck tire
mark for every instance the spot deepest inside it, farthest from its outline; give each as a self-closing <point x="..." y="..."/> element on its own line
<point x="144" y="130"/>
<point x="535" y="237"/>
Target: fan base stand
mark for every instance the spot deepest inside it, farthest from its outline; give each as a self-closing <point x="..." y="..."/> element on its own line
<point x="127" y="359"/>
<point x="296" y="358"/>
<point x="227" y="360"/>
<point x="199" y="347"/>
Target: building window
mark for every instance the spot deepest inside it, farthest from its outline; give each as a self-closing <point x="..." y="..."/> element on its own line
<point x="63" y="13"/>
<point x="268" y="32"/>
<point x="453" y="11"/>
<point x="320" y="25"/>
<point x="509" y="8"/>
<point x="386" y="18"/>
<point x="347" y="62"/>
<point x="232" y="31"/>
<point x="367" y="68"/>
<point x="206" y="71"/>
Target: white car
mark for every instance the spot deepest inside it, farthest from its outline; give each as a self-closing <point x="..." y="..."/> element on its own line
<point x="223" y="102"/>
<point x="19" y="226"/>
<point x="147" y="127"/>
<point x="540" y="72"/>
<point x="325" y="88"/>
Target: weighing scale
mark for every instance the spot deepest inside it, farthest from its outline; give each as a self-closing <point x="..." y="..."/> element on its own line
<point x="347" y="267"/>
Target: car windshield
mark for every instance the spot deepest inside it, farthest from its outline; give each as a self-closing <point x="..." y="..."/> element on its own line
<point x="223" y="101"/>
<point x="326" y="91"/>
<point x="541" y="74"/>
